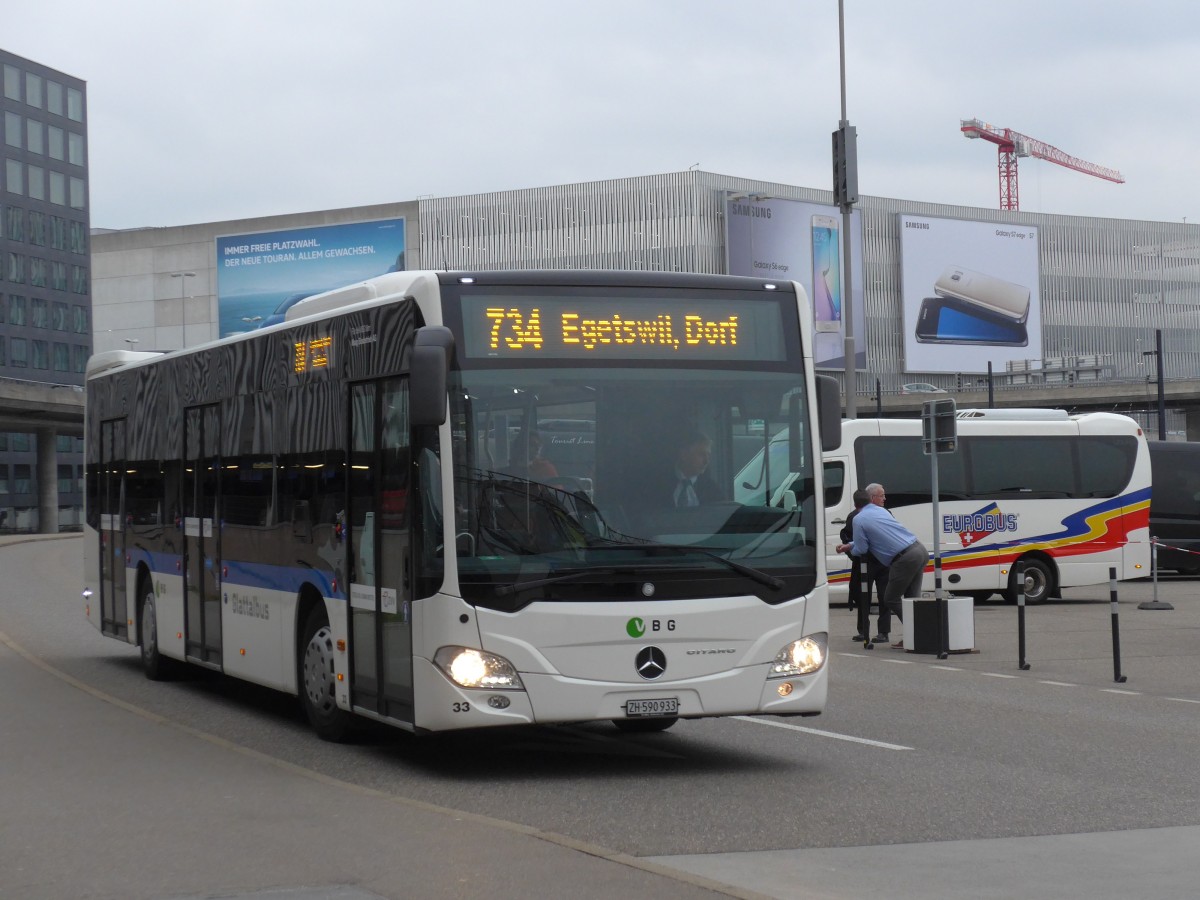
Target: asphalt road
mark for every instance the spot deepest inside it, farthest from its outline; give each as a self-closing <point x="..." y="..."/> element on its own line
<point x="926" y="777"/>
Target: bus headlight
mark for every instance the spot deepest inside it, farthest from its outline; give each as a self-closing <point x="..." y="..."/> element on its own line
<point x="802" y="657"/>
<point x="472" y="668"/>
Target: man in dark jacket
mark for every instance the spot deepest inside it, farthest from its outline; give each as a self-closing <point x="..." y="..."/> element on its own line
<point x="877" y="573"/>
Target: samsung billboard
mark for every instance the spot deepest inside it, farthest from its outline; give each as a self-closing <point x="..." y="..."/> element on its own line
<point x="767" y="237"/>
<point x="970" y="294"/>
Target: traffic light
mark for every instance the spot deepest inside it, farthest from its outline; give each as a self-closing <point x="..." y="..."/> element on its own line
<point x="845" y="165"/>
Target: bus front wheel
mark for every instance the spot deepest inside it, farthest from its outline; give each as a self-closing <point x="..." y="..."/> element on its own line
<point x="318" y="680"/>
<point x="1038" y="582"/>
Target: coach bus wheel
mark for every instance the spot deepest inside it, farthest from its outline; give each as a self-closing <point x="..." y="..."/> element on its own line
<point x="645" y="726"/>
<point x="318" y="680"/>
<point x="1038" y="580"/>
<point x="156" y="666"/>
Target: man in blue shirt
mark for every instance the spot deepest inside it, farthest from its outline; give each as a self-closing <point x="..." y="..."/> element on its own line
<point x="876" y="531"/>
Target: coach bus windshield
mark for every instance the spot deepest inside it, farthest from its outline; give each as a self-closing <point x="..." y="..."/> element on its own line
<point x="614" y="483"/>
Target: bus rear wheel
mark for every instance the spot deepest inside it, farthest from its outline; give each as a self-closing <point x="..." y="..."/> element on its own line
<point x="318" y="680"/>
<point x="156" y="666"/>
<point x="645" y="726"/>
<point x="1038" y="582"/>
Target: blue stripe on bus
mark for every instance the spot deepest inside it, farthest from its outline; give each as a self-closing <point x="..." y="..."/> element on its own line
<point x="287" y="579"/>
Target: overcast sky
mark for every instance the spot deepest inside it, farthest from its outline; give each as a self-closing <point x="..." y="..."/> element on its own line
<point x="205" y="111"/>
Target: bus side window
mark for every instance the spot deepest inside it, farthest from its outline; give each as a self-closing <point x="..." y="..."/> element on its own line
<point x="835" y="482"/>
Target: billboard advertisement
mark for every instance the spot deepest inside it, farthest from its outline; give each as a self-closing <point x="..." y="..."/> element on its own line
<point x="767" y="237"/>
<point x="260" y="275"/>
<point x="970" y="294"/>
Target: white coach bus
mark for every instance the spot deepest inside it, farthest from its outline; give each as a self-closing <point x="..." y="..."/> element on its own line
<point x="349" y="505"/>
<point x="1069" y="496"/>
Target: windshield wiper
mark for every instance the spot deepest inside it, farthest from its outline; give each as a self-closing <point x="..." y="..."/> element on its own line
<point x="754" y="574"/>
<point x="504" y="590"/>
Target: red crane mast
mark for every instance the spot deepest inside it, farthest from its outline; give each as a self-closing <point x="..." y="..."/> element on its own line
<point x="1012" y="144"/>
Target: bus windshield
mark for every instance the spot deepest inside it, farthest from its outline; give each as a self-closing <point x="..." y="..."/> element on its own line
<point x="607" y="482"/>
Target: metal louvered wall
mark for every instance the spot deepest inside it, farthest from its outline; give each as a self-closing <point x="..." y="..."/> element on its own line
<point x="1106" y="284"/>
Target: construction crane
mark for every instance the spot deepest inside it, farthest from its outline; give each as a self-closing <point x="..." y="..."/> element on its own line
<point x="1012" y="144"/>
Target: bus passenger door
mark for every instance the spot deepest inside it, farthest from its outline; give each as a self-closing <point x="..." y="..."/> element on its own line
<point x="114" y="616"/>
<point x="201" y="575"/>
<point x="379" y="517"/>
<point x="839" y="503"/>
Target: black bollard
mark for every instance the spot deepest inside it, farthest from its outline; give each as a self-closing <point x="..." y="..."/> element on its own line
<point x="1019" y="577"/>
<point x="1116" y="627"/>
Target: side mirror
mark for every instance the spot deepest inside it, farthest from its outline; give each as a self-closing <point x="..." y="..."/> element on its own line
<point x="429" y="368"/>
<point x="829" y="412"/>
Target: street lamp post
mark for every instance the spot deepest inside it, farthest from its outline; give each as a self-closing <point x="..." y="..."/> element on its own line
<point x="183" y="277"/>
<point x="845" y="190"/>
<point x="1162" y="398"/>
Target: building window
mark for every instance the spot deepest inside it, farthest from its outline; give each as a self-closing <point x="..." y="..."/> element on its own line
<point x="14" y="221"/>
<point x="75" y="149"/>
<point x="16" y="268"/>
<point x="3" y="479"/>
<point x="57" y="148"/>
<point x="12" y="129"/>
<point x="78" y="194"/>
<point x="20" y="441"/>
<point x="18" y="353"/>
<point x="35" y="137"/>
<point x="22" y="480"/>
<point x="16" y="309"/>
<point x="58" y="316"/>
<point x="54" y="97"/>
<point x="39" y="315"/>
<point x="37" y="182"/>
<point x="3" y="309"/>
<point x="3" y="350"/>
<point x="33" y="90"/>
<point x="41" y="355"/>
<point x="62" y="358"/>
<point x="14" y="178"/>
<point x="12" y="82"/>
<point x="78" y="237"/>
<point x="58" y="276"/>
<point x="66" y="479"/>
<point x="58" y="188"/>
<point x="74" y="104"/>
<point x="81" y="358"/>
<point x="80" y="319"/>
<point x="37" y="272"/>
<point x="79" y="280"/>
<point x="37" y="228"/>
<point x="58" y="225"/>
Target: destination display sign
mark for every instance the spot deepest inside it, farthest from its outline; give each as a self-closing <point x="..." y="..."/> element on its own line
<point x="511" y="327"/>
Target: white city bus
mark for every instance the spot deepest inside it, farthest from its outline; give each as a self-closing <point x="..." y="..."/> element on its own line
<point x="1069" y="496"/>
<point x="343" y="505"/>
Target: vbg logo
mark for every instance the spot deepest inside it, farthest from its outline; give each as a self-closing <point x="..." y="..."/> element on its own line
<point x="637" y="627"/>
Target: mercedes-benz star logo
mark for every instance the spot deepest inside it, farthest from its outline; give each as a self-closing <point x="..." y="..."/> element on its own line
<point x="651" y="663"/>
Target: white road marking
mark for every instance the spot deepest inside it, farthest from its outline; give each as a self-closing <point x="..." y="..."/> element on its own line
<point x="1126" y="693"/>
<point x="1059" y="683"/>
<point x="819" y="733"/>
